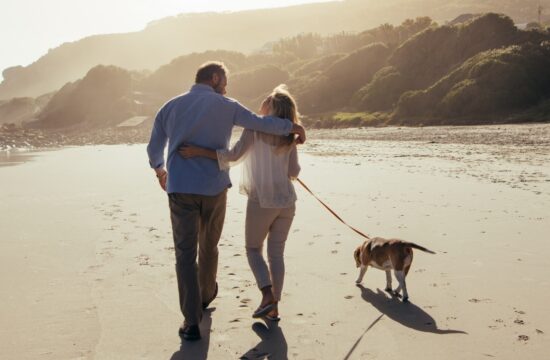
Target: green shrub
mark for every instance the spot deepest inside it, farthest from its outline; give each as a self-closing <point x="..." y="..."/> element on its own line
<point x="491" y="84"/>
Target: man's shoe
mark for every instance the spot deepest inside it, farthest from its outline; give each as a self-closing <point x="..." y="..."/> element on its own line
<point x="205" y="304"/>
<point x="190" y="332"/>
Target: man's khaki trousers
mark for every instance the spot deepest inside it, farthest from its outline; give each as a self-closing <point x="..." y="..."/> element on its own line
<point x="197" y="221"/>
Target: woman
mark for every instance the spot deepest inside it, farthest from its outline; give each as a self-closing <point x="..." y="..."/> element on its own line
<point x="269" y="164"/>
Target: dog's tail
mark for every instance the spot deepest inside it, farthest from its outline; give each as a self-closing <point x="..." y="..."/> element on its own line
<point x="421" y="248"/>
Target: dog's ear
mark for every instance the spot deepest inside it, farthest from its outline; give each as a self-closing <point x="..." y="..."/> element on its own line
<point x="357" y="256"/>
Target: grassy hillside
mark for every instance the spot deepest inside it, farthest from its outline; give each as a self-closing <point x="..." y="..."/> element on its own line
<point x="165" y="39"/>
<point x="492" y="84"/>
<point x="482" y="69"/>
<point x="103" y="97"/>
<point x="428" y="56"/>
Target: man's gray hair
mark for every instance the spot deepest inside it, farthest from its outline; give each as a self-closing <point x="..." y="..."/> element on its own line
<point x="208" y="69"/>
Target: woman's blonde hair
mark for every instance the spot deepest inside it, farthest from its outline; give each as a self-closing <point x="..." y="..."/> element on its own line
<point x="284" y="106"/>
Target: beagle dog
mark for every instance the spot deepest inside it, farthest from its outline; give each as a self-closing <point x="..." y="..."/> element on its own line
<point x="386" y="255"/>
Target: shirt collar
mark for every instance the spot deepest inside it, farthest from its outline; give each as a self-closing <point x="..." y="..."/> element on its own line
<point x="202" y="87"/>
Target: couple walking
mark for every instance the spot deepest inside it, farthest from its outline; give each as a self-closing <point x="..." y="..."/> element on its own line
<point x="197" y="127"/>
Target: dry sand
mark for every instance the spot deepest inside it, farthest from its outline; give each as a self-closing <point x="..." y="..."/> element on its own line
<point x="86" y="260"/>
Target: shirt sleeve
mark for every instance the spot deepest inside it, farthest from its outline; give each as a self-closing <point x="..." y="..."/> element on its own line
<point x="267" y="124"/>
<point x="157" y="143"/>
<point x="293" y="165"/>
<point x="231" y="157"/>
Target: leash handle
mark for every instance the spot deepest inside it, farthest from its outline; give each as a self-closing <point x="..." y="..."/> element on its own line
<point x="331" y="211"/>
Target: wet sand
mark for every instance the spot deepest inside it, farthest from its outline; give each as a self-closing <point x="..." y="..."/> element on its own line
<point x="86" y="260"/>
<point x="15" y="157"/>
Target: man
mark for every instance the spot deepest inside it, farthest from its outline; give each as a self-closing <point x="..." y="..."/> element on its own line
<point x="196" y="187"/>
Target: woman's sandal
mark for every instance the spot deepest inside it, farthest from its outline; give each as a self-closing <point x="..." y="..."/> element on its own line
<point x="272" y="318"/>
<point x="263" y="311"/>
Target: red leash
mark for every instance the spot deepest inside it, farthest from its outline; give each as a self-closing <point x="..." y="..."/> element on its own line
<point x="332" y="211"/>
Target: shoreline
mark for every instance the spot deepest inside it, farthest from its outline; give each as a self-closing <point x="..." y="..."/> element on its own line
<point x="17" y="139"/>
<point x="512" y="155"/>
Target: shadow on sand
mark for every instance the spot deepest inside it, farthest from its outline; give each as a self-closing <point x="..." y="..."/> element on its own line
<point x="197" y="350"/>
<point x="273" y="345"/>
<point x="407" y="314"/>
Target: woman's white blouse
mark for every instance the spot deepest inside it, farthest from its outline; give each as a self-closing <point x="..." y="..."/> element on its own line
<point x="269" y="164"/>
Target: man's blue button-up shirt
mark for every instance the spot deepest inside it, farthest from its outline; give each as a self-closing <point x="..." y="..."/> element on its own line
<point x="204" y="118"/>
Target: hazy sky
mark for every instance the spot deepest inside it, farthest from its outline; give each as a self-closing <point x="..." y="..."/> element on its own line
<point x="28" y="28"/>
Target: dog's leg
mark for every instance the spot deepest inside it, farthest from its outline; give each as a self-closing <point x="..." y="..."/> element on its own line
<point x="361" y="274"/>
<point x="397" y="290"/>
<point x="388" y="281"/>
<point x="400" y="275"/>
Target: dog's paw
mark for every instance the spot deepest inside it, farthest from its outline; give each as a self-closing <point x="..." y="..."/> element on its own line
<point x="388" y="290"/>
<point x="406" y="299"/>
<point x="358" y="281"/>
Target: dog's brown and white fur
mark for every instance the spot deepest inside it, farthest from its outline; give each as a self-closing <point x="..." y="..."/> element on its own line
<point x="386" y="255"/>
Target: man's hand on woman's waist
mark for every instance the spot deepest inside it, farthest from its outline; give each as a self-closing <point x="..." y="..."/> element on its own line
<point x="300" y="131"/>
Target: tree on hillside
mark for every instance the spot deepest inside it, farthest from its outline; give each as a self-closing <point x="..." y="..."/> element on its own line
<point x="303" y="46"/>
<point x="340" y="42"/>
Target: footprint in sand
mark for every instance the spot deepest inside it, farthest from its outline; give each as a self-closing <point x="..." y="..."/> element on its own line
<point x="143" y="259"/>
<point x="476" y="301"/>
<point x="95" y="267"/>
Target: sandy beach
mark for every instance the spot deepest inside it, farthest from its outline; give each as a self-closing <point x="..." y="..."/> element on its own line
<point x="86" y="260"/>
